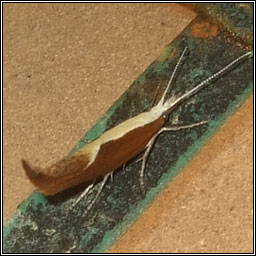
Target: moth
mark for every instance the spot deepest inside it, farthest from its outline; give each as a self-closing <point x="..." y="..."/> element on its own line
<point x="115" y="147"/>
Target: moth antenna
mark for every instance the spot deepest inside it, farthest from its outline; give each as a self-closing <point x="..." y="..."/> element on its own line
<point x="169" y="103"/>
<point x="168" y="87"/>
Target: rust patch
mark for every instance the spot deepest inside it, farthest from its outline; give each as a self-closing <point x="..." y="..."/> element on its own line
<point x="167" y="53"/>
<point x="204" y="30"/>
<point x="173" y="53"/>
<point x="245" y="6"/>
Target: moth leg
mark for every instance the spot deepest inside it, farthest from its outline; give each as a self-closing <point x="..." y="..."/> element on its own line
<point x="151" y="143"/>
<point x="112" y="179"/>
<point x="102" y="184"/>
<point x="112" y="175"/>
<point x="177" y="128"/>
<point x="144" y="160"/>
<point x="83" y="195"/>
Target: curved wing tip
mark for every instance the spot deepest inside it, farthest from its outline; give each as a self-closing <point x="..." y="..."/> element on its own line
<point x="31" y="173"/>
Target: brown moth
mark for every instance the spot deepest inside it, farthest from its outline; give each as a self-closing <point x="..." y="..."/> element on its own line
<point x="116" y="146"/>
